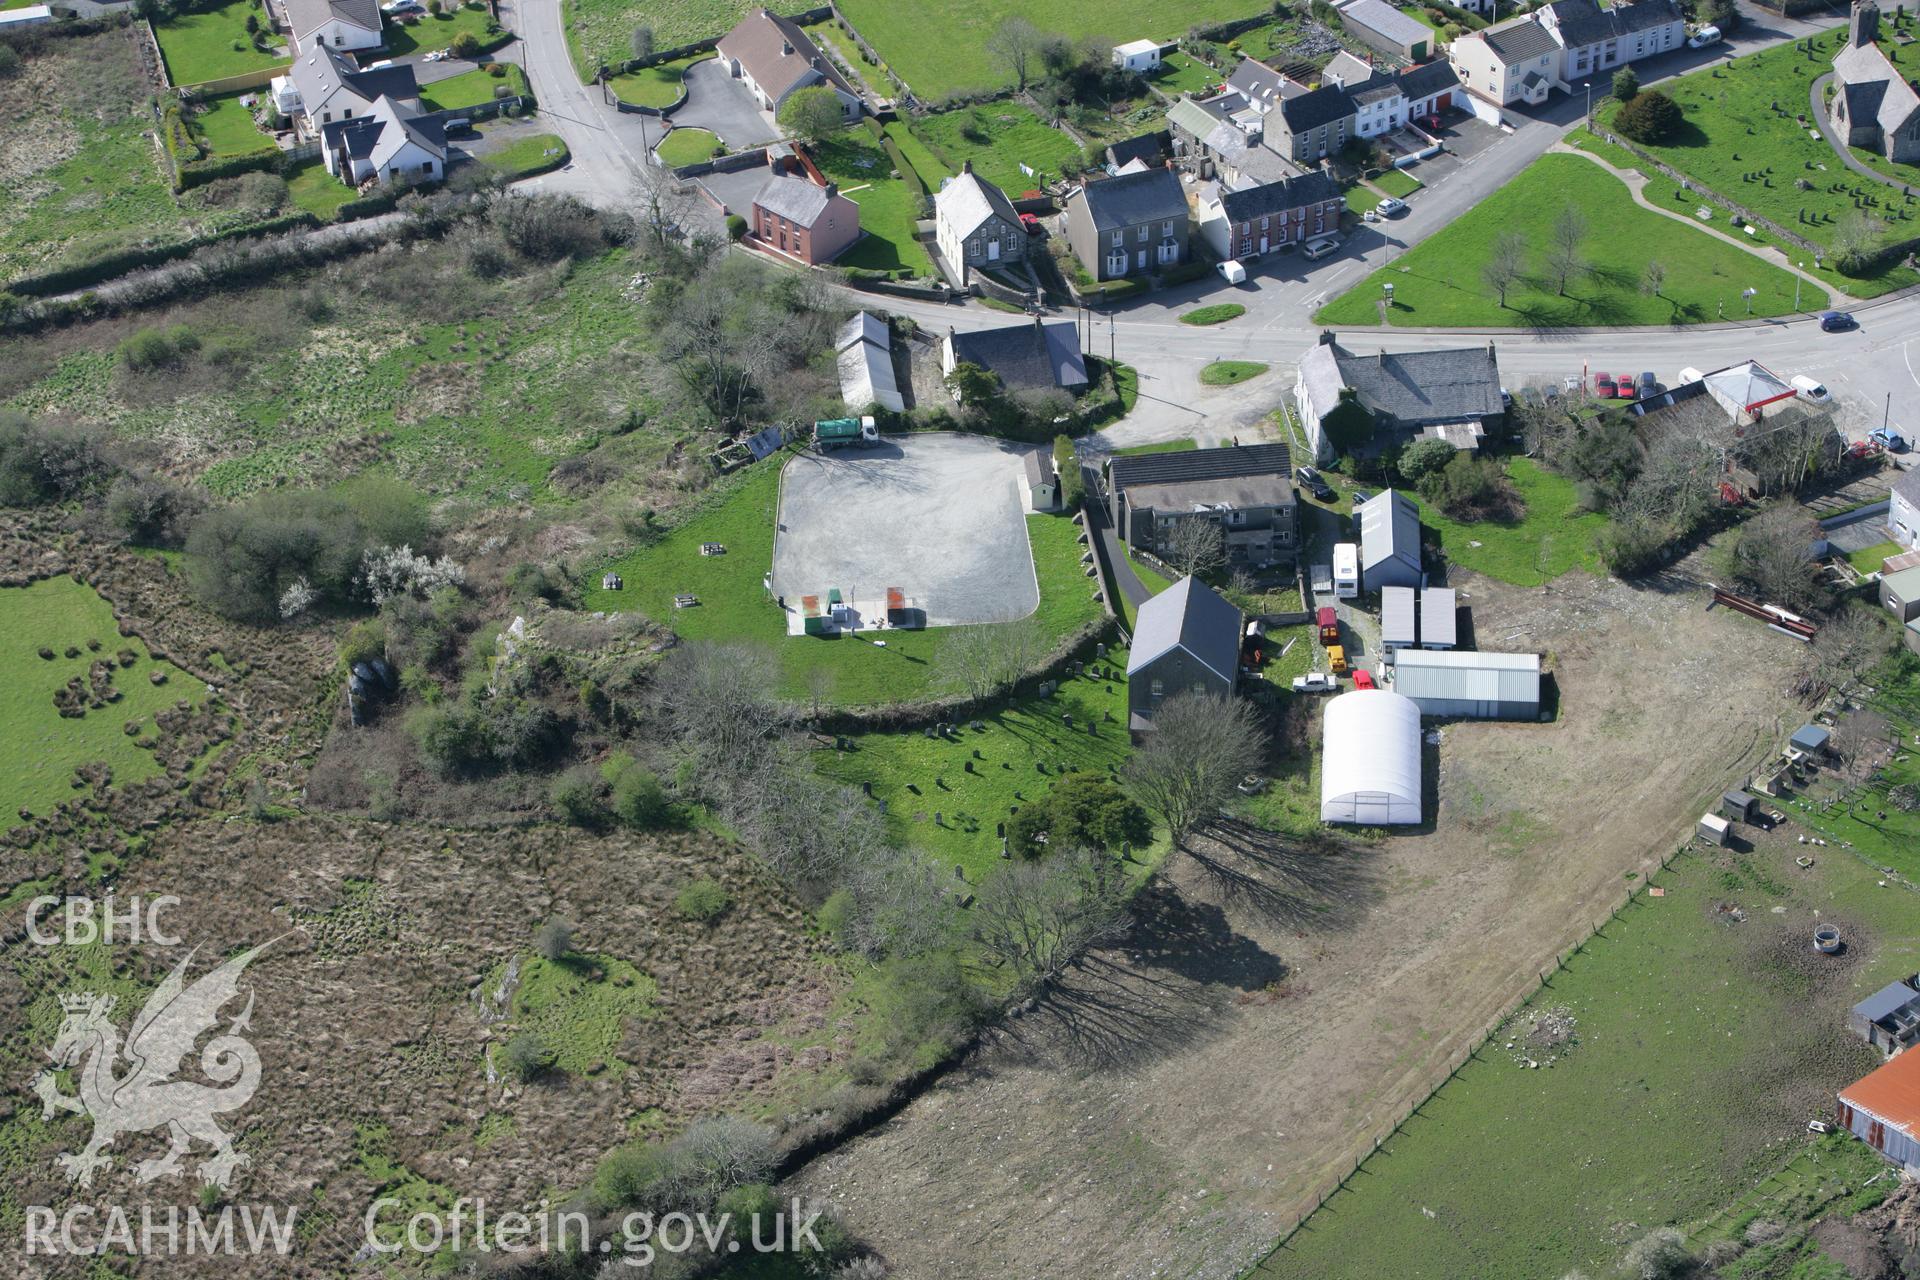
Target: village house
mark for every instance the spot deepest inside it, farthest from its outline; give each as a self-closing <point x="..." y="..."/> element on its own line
<point x="1594" y="39"/>
<point x="1379" y="105"/>
<point x="1309" y="127"/>
<point x="776" y="59"/>
<point x="804" y="219"/>
<point x="1130" y="225"/>
<point x="323" y="87"/>
<point x="1041" y="356"/>
<point x="1222" y="138"/>
<point x="1903" y="510"/>
<point x="1359" y="404"/>
<point x="347" y="25"/>
<point x="975" y="225"/>
<point x="1245" y="490"/>
<point x="1513" y="61"/>
<point x="1186" y="641"/>
<point x="1138" y="55"/>
<point x="1257" y="220"/>
<point x="391" y="143"/>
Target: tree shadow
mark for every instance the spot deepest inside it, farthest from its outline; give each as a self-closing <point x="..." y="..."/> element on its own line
<point x="1295" y="882"/>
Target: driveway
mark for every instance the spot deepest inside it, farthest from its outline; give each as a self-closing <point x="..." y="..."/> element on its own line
<point x="721" y="104"/>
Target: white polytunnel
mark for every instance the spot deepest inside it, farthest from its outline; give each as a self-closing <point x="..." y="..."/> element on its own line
<point x="1370" y="760"/>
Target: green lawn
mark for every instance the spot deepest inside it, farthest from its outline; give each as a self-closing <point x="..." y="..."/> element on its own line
<point x="1700" y="1050"/>
<point x="888" y="206"/>
<point x="733" y="605"/>
<point x="471" y="88"/>
<point x="940" y="47"/>
<point x="1014" y="760"/>
<point x="1547" y="542"/>
<point x="1218" y="313"/>
<point x="43" y="748"/>
<point x="601" y="31"/>
<point x="1439" y="282"/>
<point x="1398" y="182"/>
<point x="439" y="32"/>
<point x="1226" y="373"/>
<point x="536" y="154"/>
<point x="999" y="137"/>
<point x="1360" y="199"/>
<point x="686" y="146"/>
<point x="199" y="46"/>
<point x="931" y="169"/>
<point x="1742" y="138"/>
<point x="1180" y="73"/>
<point x="654" y="86"/>
<point x="316" y="190"/>
<point x="1868" y="559"/>
<point x="229" y="128"/>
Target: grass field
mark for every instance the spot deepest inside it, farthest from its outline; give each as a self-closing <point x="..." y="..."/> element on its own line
<point x="654" y="86"/>
<point x="1014" y="760"/>
<point x="888" y="206"/>
<point x="1398" y="182"/>
<point x="316" y="190"/>
<point x="1547" y="542"/>
<point x="471" y="88"/>
<point x="1180" y="73"/>
<point x="734" y="606"/>
<point x="1439" y="283"/>
<point x="199" y="46"/>
<point x="1701" y="1047"/>
<point x="940" y="48"/>
<point x="931" y="168"/>
<point x="1865" y="820"/>
<point x="43" y="748"/>
<point x="999" y="137"/>
<point x="1218" y="313"/>
<point x="523" y="156"/>
<point x="1162" y="446"/>
<point x="1741" y="138"/>
<point x="1227" y="373"/>
<point x="576" y="1005"/>
<point x="601" y="31"/>
<point x="687" y="146"/>
<point x="228" y="127"/>
<point x="1869" y="559"/>
<point x="439" y="31"/>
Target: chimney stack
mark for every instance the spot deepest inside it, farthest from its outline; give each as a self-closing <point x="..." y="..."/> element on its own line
<point x="966" y="166"/>
<point x="786" y="48"/>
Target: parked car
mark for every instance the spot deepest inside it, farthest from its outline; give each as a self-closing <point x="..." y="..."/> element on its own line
<point x="438" y="55"/>
<point x="403" y="6"/>
<point x="1837" y="321"/>
<point x="1810" y="388"/>
<point x="1231" y="271"/>
<point x="1889" y="439"/>
<point x="1320" y="489"/>
<point x="1648" y="383"/>
<point x="1360" y="496"/>
<point x="1626" y="387"/>
<point x="1390" y="207"/>
<point x="1032" y="223"/>
<point x="1703" y="37"/>
<point x="1320" y="248"/>
<point x="1315" y="682"/>
<point x="1506" y="398"/>
<point x="1307" y="475"/>
<point x="1430" y="123"/>
<point x="1363" y="679"/>
<point x="1603" y="386"/>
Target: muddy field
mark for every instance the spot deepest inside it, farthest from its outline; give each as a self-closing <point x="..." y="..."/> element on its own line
<point x="1186" y="1097"/>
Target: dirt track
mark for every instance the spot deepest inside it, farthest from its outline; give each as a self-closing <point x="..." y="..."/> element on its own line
<point x="1189" y="1095"/>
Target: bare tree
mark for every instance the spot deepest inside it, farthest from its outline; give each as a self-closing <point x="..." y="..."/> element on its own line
<point x="1857" y="236"/>
<point x="1199" y="749"/>
<point x="1847" y="648"/>
<point x="1015" y="44"/>
<point x="1653" y="279"/>
<point x="1770" y="557"/>
<point x="1507" y="265"/>
<point x="663" y="206"/>
<point x="1195" y="545"/>
<point x="984" y="660"/>
<point x="719" y="704"/>
<point x="1033" y="918"/>
<point x="1565" y="261"/>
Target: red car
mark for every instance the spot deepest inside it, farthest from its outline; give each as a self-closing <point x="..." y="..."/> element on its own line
<point x="1363" y="680"/>
<point x="1626" y="388"/>
<point x="1031" y="223"/>
<point x="1603" y="386"/>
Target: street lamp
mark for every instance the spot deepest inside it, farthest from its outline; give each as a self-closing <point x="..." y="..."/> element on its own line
<point x="1796" y="286"/>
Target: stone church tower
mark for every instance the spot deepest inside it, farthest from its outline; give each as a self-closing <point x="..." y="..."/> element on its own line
<point x="1864" y="27"/>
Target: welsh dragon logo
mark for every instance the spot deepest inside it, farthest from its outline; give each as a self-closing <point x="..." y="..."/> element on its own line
<point x="146" y="1096"/>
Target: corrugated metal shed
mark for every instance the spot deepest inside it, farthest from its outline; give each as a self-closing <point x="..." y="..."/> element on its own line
<point x="1439" y="618"/>
<point x="1397" y="629"/>
<point x="1883" y="1108"/>
<point x="1467" y="683"/>
<point x="1389" y="541"/>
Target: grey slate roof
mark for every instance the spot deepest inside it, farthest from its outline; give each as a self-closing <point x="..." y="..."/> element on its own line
<point x="1196" y="117"/>
<point x="1875" y="89"/>
<point x="1311" y="110"/>
<point x="1199" y="464"/>
<point x="969" y="200"/>
<point x="796" y="199"/>
<point x="328" y="82"/>
<point x="1429" y="78"/>
<point x="1908" y="485"/>
<point x="1389" y="530"/>
<point x="1810" y="737"/>
<point x="1148" y="147"/>
<point x="1413" y="388"/>
<point x="865" y="361"/>
<point x="1583" y="22"/>
<point x="1275" y="197"/>
<point x="1039" y="467"/>
<point x="306" y="15"/>
<point x="1133" y="198"/>
<point x="387" y="126"/>
<point x="778" y="54"/>
<point x="1037" y="356"/>
<point x="1521" y="40"/>
<point x="1257" y="82"/>
<point x="1889" y="1000"/>
<point x="1193" y="616"/>
<point x="1377" y="16"/>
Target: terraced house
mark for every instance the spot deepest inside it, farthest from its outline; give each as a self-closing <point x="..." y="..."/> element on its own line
<point x="1311" y="126"/>
<point x="1595" y="39"/>
<point x="1273" y="216"/>
<point x="1246" y="490"/>
<point x="1130" y="225"/>
<point x="1515" y="61"/>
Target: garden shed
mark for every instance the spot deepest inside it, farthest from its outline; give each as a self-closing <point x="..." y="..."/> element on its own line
<point x="1889" y="1019"/>
<point x="1714" y="829"/>
<point x="1738" y="805"/>
<point x="1468" y="684"/>
<point x="1810" y="738"/>
<point x="1397" y="628"/>
<point x="1370" y="760"/>
<point x="1439" y="618"/>
<point x="1883" y="1110"/>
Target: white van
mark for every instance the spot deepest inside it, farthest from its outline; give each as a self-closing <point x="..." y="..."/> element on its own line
<point x="1232" y="272"/>
<point x="1809" y="388"/>
<point x="1704" y="36"/>
<point x="1318" y="249"/>
<point x="1346" y="571"/>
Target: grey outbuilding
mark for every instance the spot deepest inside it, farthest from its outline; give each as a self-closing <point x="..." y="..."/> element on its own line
<point x="1466" y="684"/>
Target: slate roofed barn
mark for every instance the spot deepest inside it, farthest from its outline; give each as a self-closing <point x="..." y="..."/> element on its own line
<point x="1129" y="225"/>
<point x="1041" y="356"/>
<point x="1247" y="491"/>
<point x="1883" y="1109"/>
<point x="776" y="59"/>
<point x="1389" y="541"/>
<point x="1387" y="29"/>
<point x="1185" y="640"/>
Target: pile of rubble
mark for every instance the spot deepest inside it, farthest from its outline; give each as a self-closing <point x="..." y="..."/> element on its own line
<point x="1539" y="1037"/>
